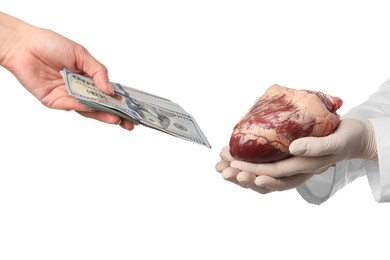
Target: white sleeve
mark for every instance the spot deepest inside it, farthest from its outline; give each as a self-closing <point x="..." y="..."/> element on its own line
<point x="321" y="187"/>
<point x="378" y="174"/>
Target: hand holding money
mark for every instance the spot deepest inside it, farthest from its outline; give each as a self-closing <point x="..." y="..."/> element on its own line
<point x="136" y="106"/>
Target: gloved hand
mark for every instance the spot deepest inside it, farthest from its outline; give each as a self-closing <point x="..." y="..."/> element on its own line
<point x="312" y="155"/>
<point x="242" y="178"/>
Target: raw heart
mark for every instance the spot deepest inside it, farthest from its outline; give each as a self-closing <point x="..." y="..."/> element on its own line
<point x="279" y="117"/>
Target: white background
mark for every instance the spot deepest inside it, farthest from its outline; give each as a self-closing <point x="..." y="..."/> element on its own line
<point x="74" y="188"/>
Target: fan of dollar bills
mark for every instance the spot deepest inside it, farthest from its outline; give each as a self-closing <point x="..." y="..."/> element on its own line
<point x="136" y="105"/>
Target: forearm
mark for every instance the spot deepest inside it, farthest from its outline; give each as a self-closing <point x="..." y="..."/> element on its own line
<point x="12" y="30"/>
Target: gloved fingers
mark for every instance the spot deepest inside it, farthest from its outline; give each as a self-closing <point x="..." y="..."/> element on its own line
<point x="221" y="165"/>
<point x="323" y="169"/>
<point x="230" y="174"/>
<point x="315" y="146"/>
<point x="346" y="137"/>
<point x="247" y="180"/>
<point x="225" y="154"/>
<point x="280" y="184"/>
<point x="243" y="179"/>
<point x="287" y="167"/>
<point x="254" y="168"/>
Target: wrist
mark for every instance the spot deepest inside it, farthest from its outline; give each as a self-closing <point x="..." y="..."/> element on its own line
<point x="371" y="152"/>
<point x="12" y="30"/>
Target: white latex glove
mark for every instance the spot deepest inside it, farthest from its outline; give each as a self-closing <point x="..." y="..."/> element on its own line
<point x="312" y="155"/>
<point x="242" y="178"/>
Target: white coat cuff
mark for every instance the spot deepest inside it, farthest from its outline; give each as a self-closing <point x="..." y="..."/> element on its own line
<point x="379" y="174"/>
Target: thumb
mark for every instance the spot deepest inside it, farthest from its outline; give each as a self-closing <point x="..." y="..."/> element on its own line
<point x="93" y="68"/>
<point x="314" y="146"/>
<point x="102" y="82"/>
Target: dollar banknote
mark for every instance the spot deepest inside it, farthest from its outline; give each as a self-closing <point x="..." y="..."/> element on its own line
<point x="136" y="105"/>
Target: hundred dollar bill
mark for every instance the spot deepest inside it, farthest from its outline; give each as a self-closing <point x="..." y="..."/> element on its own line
<point x="136" y="105"/>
